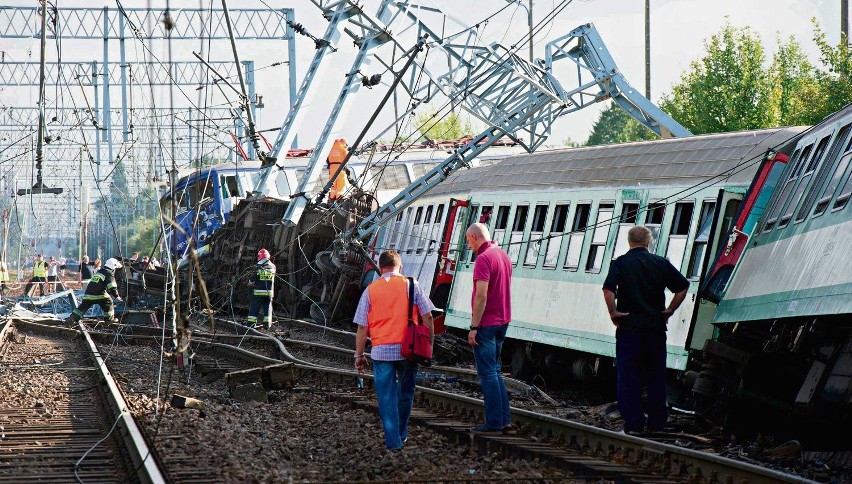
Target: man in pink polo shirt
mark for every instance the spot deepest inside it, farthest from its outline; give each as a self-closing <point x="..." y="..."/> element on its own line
<point x="491" y="312"/>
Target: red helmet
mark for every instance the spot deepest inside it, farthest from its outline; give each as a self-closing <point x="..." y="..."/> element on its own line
<point x="262" y="254"/>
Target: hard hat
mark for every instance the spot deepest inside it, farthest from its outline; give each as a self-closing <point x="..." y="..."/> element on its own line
<point x="262" y="254"/>
<point x="113" y="264"/>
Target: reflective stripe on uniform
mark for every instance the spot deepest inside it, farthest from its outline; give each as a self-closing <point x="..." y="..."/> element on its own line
<point x="95" y="297"/>
<point x="263" y="292"/>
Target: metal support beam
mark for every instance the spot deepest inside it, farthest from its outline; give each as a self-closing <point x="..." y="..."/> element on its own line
<point x="190" y="23"/>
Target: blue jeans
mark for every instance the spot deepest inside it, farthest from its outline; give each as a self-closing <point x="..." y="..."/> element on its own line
<point x="394" y="381"/>
<point x="640" y="361"/>
<point x="489" y="341"/>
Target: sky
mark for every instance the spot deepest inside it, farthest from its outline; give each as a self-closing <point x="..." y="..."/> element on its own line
<point x="679" y="29"/>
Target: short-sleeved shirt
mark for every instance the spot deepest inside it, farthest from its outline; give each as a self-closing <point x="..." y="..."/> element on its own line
<point x="85" y="271"/>
<point x="391" y="352"/>
<point x="639" y="279"/>
<point x="494" y="266"/>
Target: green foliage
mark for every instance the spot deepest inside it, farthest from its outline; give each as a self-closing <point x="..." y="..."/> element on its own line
<point x="614" y="125"/>
<point x="727" y="89"/>
<point x="733" y="87"/>
<point x="792" y="85"/>
<point x="435" y="126"/>
<point x="144" y="235"/>
<point x="834" y="84"/>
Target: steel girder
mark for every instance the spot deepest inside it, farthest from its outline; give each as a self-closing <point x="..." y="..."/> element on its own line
<point x="189" y="23"/>
<point x="182" y="73"/>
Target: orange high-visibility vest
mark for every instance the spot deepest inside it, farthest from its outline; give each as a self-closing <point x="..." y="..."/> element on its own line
<point x="335" y="158"/>
<point x="387" y="319"/>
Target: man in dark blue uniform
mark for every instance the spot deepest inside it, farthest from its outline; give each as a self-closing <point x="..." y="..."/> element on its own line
<point x="637" y="281"/>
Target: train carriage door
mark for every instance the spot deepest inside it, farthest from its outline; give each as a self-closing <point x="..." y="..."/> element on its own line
<point x="448" y="254"/>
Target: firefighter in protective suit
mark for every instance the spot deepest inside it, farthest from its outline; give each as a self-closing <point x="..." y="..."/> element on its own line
<point x="262" y="291"/>
<point x="100" y="291"/>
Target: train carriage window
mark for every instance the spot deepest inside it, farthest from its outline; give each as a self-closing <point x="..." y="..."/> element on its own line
<point x="421" y="169"/>
<point x="699" y="245"/>
<point x="517" y="235"/>
<point x="679" y="234"/>
<point x="554" y="238"/>
<point x="654" y="221"/>
<point x="396" y="229"/>
<point x="473" y="217"/>
<point x="425" y="230"/>
<point x="388" y="177"/>
<point x="405" y="232"/>
<point x="536" y="231"/>
<point x="839" y="171"/>
<point x="845" y="193"/>
<point x="487" y="214"/>
<point x="229" y="186"/>
<point x="415" y="230"/>
<point x="436" y="229"/>
<point x="578" y="233"/>
<point x="822" y="173"/>
<point x="627" y="220"/>
<point x="501" y="223"/>
<point x="807" y="173"/>
<point x="281" y="184"/>
<point x="458" y="229"/>
<point x="599" y="237"/>
<point x="796" y="162"/>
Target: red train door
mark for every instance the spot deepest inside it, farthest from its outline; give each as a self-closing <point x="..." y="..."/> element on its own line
<point x="447" y="258"/>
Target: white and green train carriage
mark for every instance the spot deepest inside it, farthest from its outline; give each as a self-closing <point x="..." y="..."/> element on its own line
<point x="563" y="216"/>
<point x="785" y="317"/>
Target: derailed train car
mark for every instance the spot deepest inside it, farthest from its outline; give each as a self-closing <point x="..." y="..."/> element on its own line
<point x="563" y="217"/>
<point x="784" y="320"/>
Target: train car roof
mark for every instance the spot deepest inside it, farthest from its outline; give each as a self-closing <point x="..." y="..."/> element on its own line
<point x="675" y="161"/>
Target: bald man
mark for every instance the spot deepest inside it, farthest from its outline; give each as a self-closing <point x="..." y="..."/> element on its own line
<point x="634" y="293"/>
<point x="490" y="316"/>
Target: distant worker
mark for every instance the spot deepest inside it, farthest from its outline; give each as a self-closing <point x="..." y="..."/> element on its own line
<point x="53" y="280"/>
<point x="383" y="315"/>
<point x="491" y="313"/>
<point x="4" y="278"/>
<point x="262" y="291"/>
<point x="85" y="271"/>
<point x="63" y="265"/>
<point x="39" y="276"/>
<point x="634" y="292"/>
<point x="100" y="291"/>
<point x="335" y="158"/>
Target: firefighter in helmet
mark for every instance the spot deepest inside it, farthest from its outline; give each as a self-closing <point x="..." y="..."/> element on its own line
<point x="100" y="291"/>
<point x="262" y="291"/>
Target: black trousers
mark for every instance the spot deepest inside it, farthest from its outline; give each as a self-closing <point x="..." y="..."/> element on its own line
<point x="35" y="280"/>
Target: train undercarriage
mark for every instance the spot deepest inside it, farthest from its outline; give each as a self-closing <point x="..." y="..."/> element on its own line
<point x="797" y="372"/>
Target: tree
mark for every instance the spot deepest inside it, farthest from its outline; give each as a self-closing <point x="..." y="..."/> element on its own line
<point x="434" y="126"/>
<point x="835" y="82"/>
<point x="614" y="125"/>
<point x="792" y="85"/>
<point x="726" y="90"/>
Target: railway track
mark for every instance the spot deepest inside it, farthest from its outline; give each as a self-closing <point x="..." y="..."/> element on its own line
<point x="62" y="417"/>
<point x="585" y="451"/>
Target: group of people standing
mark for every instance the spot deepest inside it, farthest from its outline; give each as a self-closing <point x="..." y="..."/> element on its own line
<point x="634" y="296"/>
<point x="47" y="273"/>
